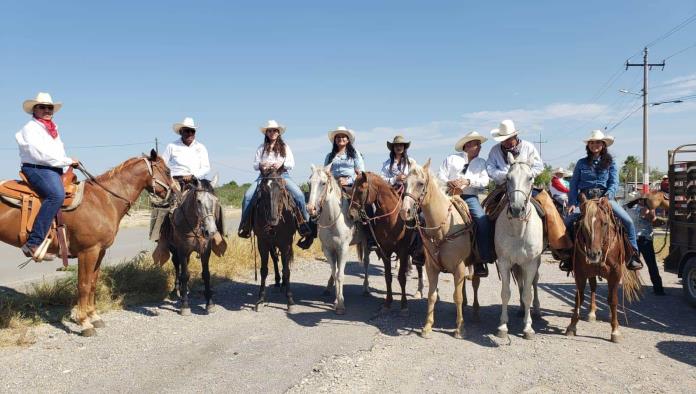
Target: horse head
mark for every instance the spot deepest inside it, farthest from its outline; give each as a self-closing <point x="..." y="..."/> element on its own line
<point x="320" y="184"/>
<point x="160" y="182"/>
<point x="519" y="180"/>
<point x="361" y="195"/>
<point x="272" y="197"/>
<point x="205" y="206"/>
<point x="595" y="223"/>
<point x="415" y="190"/>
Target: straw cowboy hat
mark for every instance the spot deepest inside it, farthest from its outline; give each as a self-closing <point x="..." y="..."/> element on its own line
<point x="561" y="170"/>
<point x="472" y="136"/>
<point x="187" y="122"/>
<point x="598" y="135"/>
<point x="41" y="98"/>
<point x="342" y="130"/>
<point x="504" y="131"/>
<point x="272" y="124"/>
<point x="399" y="139"/>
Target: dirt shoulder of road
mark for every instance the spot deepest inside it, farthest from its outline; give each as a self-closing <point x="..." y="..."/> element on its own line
<point x="141" y="218"/>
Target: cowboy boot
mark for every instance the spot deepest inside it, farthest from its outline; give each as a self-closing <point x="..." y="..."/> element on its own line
<point x="634" y="262"/>
<point x="244" y="230"/>
<point x="565" y="265"/>
<point x="481" y="270"/>
<point x="307" y="231"/>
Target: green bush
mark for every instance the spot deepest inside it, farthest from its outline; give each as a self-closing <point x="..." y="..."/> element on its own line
<point x="232" y="193"/>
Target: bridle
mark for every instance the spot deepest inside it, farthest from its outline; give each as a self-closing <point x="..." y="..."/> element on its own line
<point x="527" y="197"/>
<point x="322" y="199"/>
<point x="581" y="235"/>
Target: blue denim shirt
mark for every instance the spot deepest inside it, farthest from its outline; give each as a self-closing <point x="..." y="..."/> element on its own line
<point x="589" y="175"/>
<point x="345" y="166"/>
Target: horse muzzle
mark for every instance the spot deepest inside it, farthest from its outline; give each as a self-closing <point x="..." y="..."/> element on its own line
<point x="594" y="256"/>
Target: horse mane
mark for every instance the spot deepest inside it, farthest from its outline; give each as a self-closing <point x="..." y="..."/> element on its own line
<point x="590" y="211"/>
<point x="117" y="169"/>
<point x="420" y="171"/>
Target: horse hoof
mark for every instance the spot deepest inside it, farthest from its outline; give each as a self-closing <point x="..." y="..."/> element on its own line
<point x="210" y="308"/>
<point x="616" y="338"/>
<point x="418" y="295"/>
<point x="591" y="318"/>
<point x="528" y="335"/>
<point x="366" y="293"/>
<point x="291" y="308"/>
<point x="570" y="332"/>
<point x="89" y="332"/>
<point x="502" y="334"/>
<point x="459" y="335"/>
<point x="404" y="312"/>
<point x="98" y="323"/>
<point x="340" y="311"/>
<point x="426" y="334"/>
<point x="185" y="311"/>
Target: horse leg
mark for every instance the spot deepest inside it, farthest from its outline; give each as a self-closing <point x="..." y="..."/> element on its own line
<point x="528" y="273"/>
<point x="364" y="255"/>
<point x="580" y="281"/>
<point x="433" y="274"/>
<point x="331" y="258"/>
<point x="286" y="257"/>
<point x="475" y="282"/>
<point x="459" y="279"/>
<point x="205" y="258"/>
<point x="184" y="309"/>
<point x="86" y="263"/>
<point x="536" y="311"/>
<point x="340" y="266"/>
<point x="419" y="292"/>
<point x="403" y="273"/>
<point x="519" y="278"/>
<point x="388" y="279"/>
<point x="174" y="294"/>
<point x="264" y="252"/>
<point x="505" y="297"/>
<point x="592" y="315"/>
<point x="94" y="318"/>
<point x="276" y="270"/>
<point x="613" y="296"/>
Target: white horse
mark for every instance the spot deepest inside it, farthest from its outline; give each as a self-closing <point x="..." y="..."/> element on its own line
<point x="336" y="230"/>
<point x="519" y="241"/>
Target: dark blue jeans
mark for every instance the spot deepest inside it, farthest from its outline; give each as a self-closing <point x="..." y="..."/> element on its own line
<point x="483" y="227"/>
<point x="49" y="186"/>
<point x="645" y="246"/>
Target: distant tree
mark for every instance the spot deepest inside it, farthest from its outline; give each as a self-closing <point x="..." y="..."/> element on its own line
<point x="544" y="178"/>
<point x="628" y="170"/>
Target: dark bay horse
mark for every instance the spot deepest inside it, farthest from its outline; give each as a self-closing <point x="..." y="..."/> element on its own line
<point x="92" y="227"/>
<point x="274" y="226"/>
<point x="195" y="225"/>
<point x="599" y="251"/>
<point x="390" y="230"/>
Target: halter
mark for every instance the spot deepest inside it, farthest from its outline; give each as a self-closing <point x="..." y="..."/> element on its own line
<point x="527" y="197"/>
<point x="195" y="229"/>
<point x="320" y="205"/>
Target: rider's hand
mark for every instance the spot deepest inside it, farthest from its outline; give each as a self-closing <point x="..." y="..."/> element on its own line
<point x="343" y="180"/>
<point x="571" y="209"/>
<point x="75" y="162"/>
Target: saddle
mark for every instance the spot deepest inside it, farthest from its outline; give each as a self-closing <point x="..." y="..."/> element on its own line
<point x="19" y="193"/>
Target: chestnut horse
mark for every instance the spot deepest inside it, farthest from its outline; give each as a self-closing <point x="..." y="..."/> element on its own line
<point x="390" y="231"/>
<point x="92" y="227"/>
<point x="599" y="251"/>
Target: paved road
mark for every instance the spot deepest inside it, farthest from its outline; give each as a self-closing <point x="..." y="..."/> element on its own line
<point x="129" y="242"/>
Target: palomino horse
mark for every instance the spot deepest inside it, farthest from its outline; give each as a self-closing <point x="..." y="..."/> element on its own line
<point x="274" y="226"/>
<point x="446" y="239"/>
<point x="194" y="226"/>
<point x="336" y="230"/>
<point x="599" y="251"/>
<point x="390" y="231"/>
<point x="92" y="227"/>
<point x="519" y="241"/>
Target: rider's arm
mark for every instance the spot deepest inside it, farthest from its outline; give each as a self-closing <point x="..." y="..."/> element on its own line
<point x="556" y="182"/>
<point x="493" y="165"/>
<point x="257" y="158"/>
<point x="387" y="174"/>
<point x="613" y="181"/>
<point x="289" y="162"/>
<point x="204" y="166"/>
<point x="443" y="172"/>
<point x="45" y="151"/>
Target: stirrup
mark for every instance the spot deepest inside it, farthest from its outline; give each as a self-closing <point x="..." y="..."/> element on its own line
<point x="565" y="265"/>
<point x="481" y="270"/>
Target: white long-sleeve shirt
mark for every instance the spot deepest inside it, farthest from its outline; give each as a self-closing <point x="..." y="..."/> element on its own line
<point x="185" y="160"/>
<point x="390" y="172"/>
<point x="452" y="168"/>
<point x="36" y="146"/>
<point x="268" y="158"/>
<point x="498" y="167"/>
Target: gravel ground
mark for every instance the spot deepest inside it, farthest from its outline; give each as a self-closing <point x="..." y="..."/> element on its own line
<point x="151" y="348"/>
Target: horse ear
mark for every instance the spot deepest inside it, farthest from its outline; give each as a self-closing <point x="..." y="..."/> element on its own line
<point x="426" y="165"/>
<point x="582" y="198"/>
<point x="312" y="167"/>
<point x="510" y="158"/>
<point x="214" y="182"/>
<point x="327" y="169"/>
<point x="153" y="155"/>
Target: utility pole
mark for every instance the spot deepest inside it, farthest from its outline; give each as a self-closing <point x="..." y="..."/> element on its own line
<point x="540" y="142"/>
<point x="646" y="66"/>
<point x="157" y="146"/>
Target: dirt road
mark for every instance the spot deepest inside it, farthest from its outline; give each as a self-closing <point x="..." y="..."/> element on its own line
<point x="151" y="348"/>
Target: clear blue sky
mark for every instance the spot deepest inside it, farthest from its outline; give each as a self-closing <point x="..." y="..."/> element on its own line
<point x="432" y="71"/>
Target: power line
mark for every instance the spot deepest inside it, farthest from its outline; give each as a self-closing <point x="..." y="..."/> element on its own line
<point x="672" y="31"/>
<point x="673" y="83"/>
<point x="681" y="51"/>
<point x="624" y="118"/>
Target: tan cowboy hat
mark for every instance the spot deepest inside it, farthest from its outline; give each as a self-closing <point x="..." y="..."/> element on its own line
<point x="342" y="130"/>
<point x="504" y="131"/>
<point x="561" y="170"/>
<point x="598" y="135"/>
<point x="474" y="135"/>
<point x="272" y="124"/>
<point x="187" y="122"/>
<point x="399" y="139"/>
<point x="41" y="98"/>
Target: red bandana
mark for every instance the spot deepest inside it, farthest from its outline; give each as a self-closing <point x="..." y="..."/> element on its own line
<point x="50" y="127"/>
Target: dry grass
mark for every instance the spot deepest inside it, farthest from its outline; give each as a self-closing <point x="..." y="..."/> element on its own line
<point x="658" y="241"/>
<point x="133" y="282"/>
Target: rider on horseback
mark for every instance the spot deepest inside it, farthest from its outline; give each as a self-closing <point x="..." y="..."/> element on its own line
<point x="186" y="157"/>
<point x="275" y="154"/>
<point x="465" y="174"/>
<point x="597" y="175"/>
<point x="43" y="159"/>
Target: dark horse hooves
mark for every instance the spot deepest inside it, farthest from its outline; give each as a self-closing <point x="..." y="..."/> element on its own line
<point x="98" y="323"/>
<point x="185" y="311"/>
<point x="89" y="332"/>
<point x="211" y="308"/>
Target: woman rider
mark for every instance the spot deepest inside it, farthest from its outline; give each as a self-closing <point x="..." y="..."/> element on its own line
<point x="275" y="154"/>
<point x="43" y="158"/>
<point x="597" y="175"/>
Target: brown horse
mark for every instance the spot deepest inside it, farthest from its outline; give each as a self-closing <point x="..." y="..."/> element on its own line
<point x="599" y="251"/>
<point x="390" y="230"/>
<point x="657" y="199"/>
<point x="92" y="227"/>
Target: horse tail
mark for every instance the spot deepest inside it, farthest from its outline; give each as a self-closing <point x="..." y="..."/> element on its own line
<point x="632" y="284"/>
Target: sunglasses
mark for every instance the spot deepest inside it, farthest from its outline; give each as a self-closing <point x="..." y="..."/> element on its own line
<point x="42" y="106"/>
<point x="272" y="131"/>
<point x="338" y="137"/>
<point x="188" y="131"/>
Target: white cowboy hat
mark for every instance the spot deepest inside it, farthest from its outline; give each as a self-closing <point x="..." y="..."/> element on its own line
<point x="560" y="170"/>
<point x="504" y="131"/>
<point x="342" y="130"/>
<point x="41" y="98"/>
<point x="187" y="122"/>
<point x="598" y="135"/>
<point x="272" y="124"/>
<point x="474" y="135"/>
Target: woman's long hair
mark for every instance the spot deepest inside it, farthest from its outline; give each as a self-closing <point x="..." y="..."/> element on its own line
<point x="402" y="163"/>
<point x="278" y="148"/>
<point x="350" y="151"/>
<point x="605" y="158"/>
